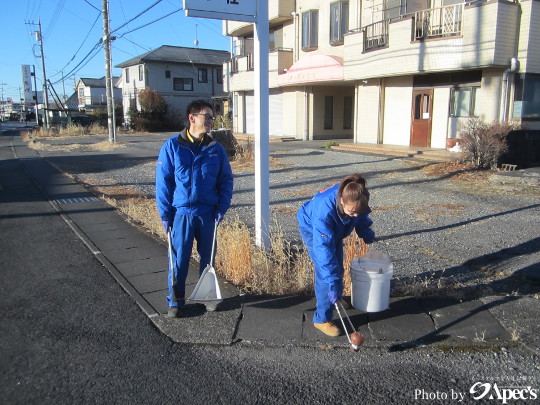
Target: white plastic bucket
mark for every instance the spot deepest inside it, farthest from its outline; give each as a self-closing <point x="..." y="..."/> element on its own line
<point x="371" y="276"/>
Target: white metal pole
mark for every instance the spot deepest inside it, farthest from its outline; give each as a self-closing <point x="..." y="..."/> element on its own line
<point x="262" y="169"/>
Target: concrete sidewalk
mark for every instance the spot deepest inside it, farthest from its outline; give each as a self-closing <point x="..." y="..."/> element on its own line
<point x="139" y="264"/>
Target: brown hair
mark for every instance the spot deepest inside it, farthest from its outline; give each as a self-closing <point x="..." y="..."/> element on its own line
<point x="352" y="189"/>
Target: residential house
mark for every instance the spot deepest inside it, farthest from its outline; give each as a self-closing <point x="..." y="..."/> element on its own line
<point x="180" y="75"/>
<point x="92" y="93"/>
<point x="400" y="72"/>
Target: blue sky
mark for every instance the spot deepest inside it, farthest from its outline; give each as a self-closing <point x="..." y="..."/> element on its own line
<point x="72" y="28"/>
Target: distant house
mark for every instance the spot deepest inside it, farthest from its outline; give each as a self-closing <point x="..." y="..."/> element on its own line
<point x="180" y="75"/>
<point x="92" y="93"/>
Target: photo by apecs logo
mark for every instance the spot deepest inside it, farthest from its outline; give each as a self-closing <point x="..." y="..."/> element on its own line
<point x="492" y="391"/>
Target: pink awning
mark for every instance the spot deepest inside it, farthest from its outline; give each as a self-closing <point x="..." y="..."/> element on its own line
<point x="313" y="68"/>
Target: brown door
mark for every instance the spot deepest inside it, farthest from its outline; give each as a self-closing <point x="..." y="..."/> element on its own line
<point x="422" y="103"/>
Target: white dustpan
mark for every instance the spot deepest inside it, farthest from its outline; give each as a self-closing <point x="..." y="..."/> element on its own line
<point x="207" y="288"/>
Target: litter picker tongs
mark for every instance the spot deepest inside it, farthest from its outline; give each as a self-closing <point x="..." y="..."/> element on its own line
<point x="339" y="304"/>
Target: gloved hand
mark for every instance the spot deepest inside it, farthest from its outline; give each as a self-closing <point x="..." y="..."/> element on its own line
<point x="167" y="225"/>
<point x="333" y="296"/>
<point x="219" y="216"/>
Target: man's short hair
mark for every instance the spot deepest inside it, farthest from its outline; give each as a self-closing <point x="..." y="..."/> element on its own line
<point x="196" y="106"/>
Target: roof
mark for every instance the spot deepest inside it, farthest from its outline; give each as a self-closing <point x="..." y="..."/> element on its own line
<point x="179" y="54"/>
<point x="89" y="82"/>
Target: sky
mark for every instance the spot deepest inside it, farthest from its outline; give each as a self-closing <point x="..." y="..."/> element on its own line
<point x="71" y="29"/>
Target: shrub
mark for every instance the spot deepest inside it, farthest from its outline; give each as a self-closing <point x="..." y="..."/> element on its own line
<point x="483" y="143"/>
<point x="153" y="112"/>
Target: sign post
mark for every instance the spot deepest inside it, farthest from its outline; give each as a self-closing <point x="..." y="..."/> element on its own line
<point x="255" y="11"/>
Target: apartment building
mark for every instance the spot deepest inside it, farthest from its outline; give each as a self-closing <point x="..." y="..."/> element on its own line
<point x="399" y="72"/>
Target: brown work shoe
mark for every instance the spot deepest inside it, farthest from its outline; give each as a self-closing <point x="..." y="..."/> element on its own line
<point x="328" y="328"/>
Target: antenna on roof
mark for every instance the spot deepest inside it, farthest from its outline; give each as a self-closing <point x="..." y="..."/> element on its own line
<point x="196" y="42"/>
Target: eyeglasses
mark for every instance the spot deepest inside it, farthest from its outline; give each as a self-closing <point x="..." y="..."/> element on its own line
<point x="206" y="116"/>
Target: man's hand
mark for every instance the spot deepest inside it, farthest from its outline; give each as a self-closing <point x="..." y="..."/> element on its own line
<point x="219" y="216"/>
<point x="167" y="225"/>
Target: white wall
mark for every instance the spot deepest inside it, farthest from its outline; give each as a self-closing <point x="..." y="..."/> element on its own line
<point x="367" y="112"/>
<point x="439" y="123"/>
<point x="397" y="110"/>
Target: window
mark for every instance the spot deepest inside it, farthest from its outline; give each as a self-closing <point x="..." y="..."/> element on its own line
<point x="347" y="112"/>
<point x="339" y="21"/>
<point x="127" y="75"/>
<point x="276" y="39"/>
<point x="465" y="102"/>
<point x="328" y="112"/>
<point x="527" y="96"/>
<point x="203" y="75"/>
<point x="219" y="76"/>
<point x="141" y="73"/>
<point x="167" y="74"/>
<point x="310" y="22"/>
<point x="182" y="84"/>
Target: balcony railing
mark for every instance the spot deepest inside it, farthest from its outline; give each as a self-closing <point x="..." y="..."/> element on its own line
<point x="438" y="22"/>
<point x="237" y="66"/>
<point x="376" y="35"/>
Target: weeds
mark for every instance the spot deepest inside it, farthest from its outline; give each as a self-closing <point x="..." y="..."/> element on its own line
<point x="329" y="144"/>
<point x="483" y="143"/>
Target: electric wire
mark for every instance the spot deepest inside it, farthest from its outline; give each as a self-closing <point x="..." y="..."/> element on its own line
<point x="151" y="22"/>
<point x="137" y="16"/>
<point x="77" y="51"/>
<point x="91" y="5"/>
<point x="95" y="49"/>
<point x="89" y="56"/>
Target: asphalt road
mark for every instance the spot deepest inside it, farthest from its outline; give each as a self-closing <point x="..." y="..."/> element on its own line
<point x="70" y="334"/>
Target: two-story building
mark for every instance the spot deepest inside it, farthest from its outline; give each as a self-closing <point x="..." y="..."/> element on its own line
<point x="180" y="75"/>
<point x="400" y="72"/>
<point x="92" y="93"/>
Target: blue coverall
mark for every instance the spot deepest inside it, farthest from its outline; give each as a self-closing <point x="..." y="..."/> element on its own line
<point x="323" y="231"/>
<point x="193" y="182"/>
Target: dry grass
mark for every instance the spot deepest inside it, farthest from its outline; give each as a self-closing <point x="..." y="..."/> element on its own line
<point x="282" y="269"/>
<point x="244" y="158"/>
<point x="70" y="131"/>
<point x="457" y="171"/>
<point x="101" y="146"/>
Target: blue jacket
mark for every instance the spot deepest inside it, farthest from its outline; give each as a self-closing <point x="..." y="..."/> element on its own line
<point x="320" y="223"/>
<point x="192" y="181"/>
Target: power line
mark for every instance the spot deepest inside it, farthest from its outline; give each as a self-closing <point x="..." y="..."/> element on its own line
<point x="137" y="16"/>
<point x="151" y="22"/>
<point x="96" y="48"/>
<point x="91" y="5"/>
<point x="77" y="51"/>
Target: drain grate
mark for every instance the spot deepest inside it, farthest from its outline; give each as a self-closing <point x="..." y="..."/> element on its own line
<point x="77" y="200"/>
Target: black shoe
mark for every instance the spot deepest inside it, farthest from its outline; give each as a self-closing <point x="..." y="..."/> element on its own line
<point x="174" y="312"/>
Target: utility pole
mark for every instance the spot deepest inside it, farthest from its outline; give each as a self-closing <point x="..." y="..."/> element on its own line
<point x="2" y="100"/>
<point x="108" y="75"/>
<point x="39" y="38"/>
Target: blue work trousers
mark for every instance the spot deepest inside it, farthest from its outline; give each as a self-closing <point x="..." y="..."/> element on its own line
<point x="187" y="228"/>
<point x="324" y="311"/>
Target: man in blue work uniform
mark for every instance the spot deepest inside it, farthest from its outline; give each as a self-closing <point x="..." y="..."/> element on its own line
<point x="194" y="184"/>
<point x="324" y="222"/>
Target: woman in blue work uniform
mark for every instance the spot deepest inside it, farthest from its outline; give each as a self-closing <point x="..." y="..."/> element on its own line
<point x="324" y="222"/>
